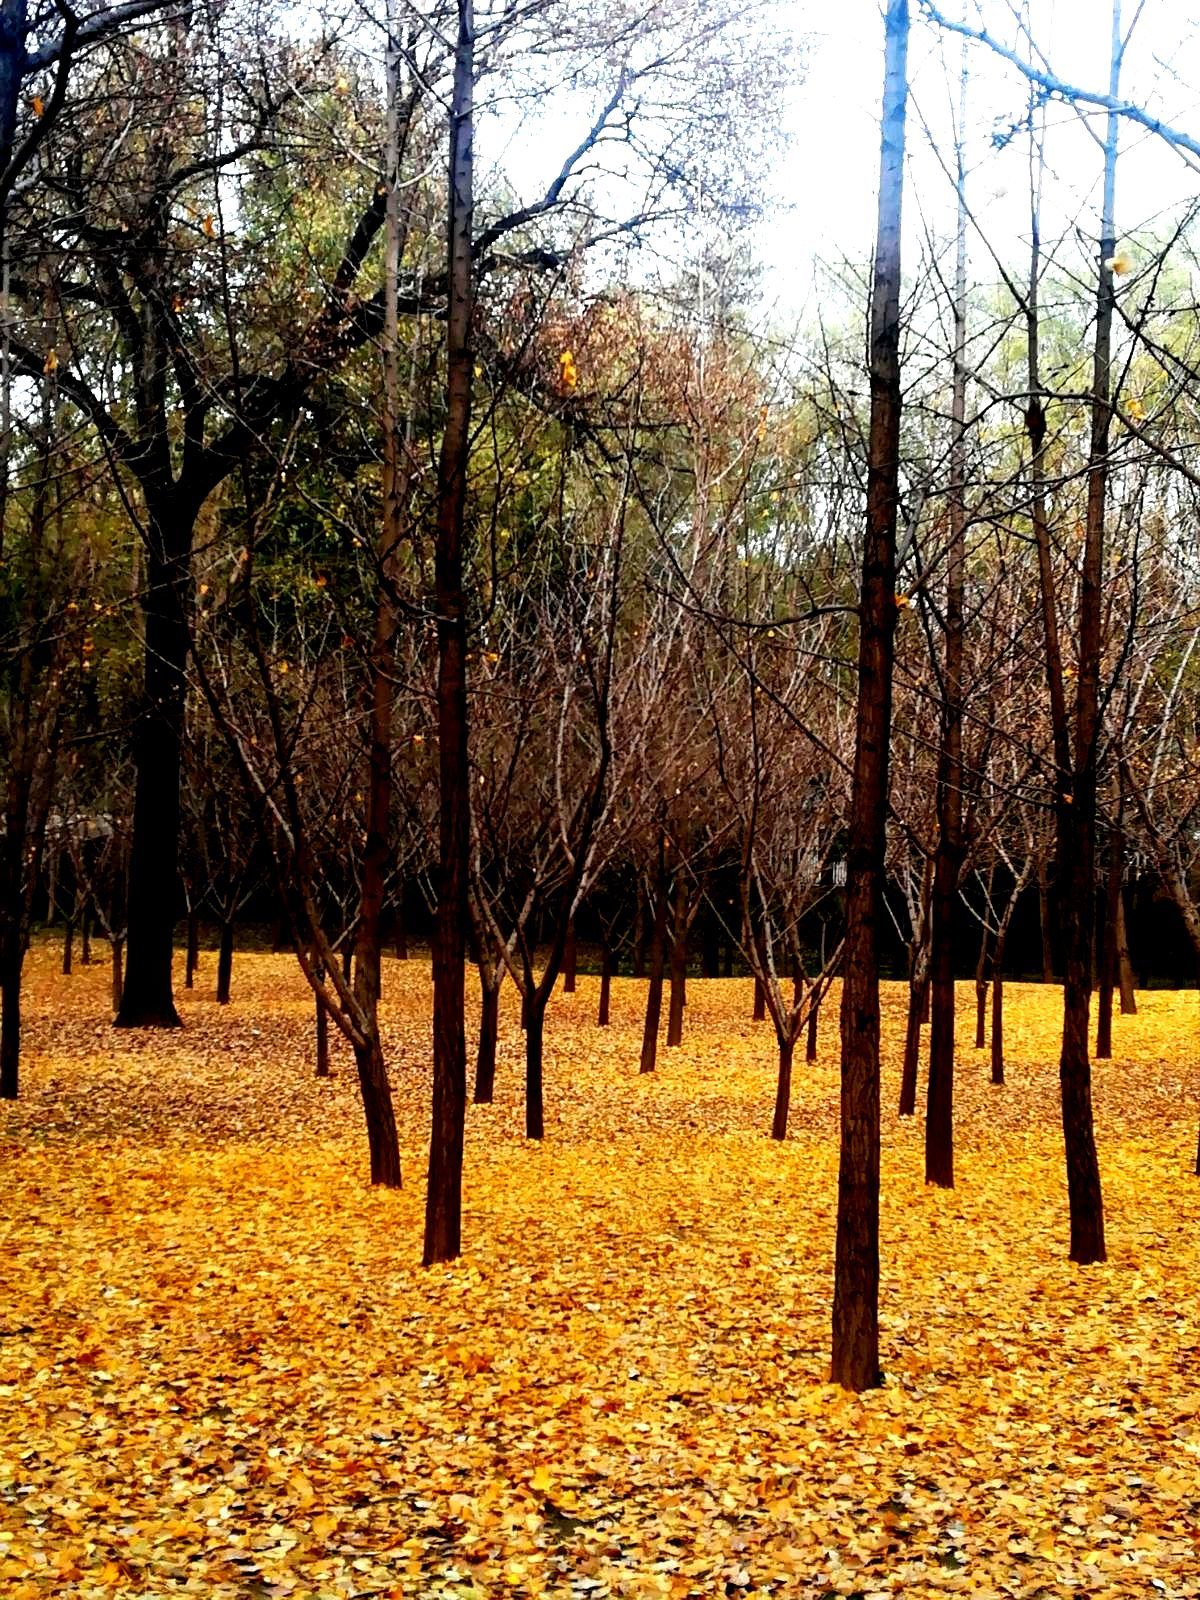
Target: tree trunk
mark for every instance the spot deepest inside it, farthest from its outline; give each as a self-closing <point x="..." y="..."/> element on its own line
<point x="918" y="989"/>
<point x="678" y="966"/>
<point x="658" y="939"/>
<point x="570" y="959"/>
<point x="606" y="973"/>
<point x="443" y="1209"/>
<point x="322" y="1039"/>
<point x="147" y="1000"/>
<point x="535" y="1122"/>
<point x="85" y="936"/>
<point x="783" y="1089"/>
<point x="193" y="948"/>
<point x="489" y="1031"/>
<point x="68" y="949"/>
<point x="981" y="994"/>
<point x="997" y="1023"/>
<point x="10" y="1030"/>
<point x="855" y="1332"/>
<point x="951" y="848"/>
<point x="377" y="1108"/>
<point x="1124" y="965"/>
<point x="760" y="1000"/>
<point x="118" y="973"/>
<point x="810" y="1048"/>
<point x="1044" y="919"/>
<point x="225" y="962"/>
<point x="1108" y="944"/>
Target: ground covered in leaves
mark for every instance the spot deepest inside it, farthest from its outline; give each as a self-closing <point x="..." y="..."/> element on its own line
<point x="223" y="1373"/>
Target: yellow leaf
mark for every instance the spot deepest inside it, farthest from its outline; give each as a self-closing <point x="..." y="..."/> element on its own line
<point x="324" y="1525"/>
<point x="541" y="1480"/>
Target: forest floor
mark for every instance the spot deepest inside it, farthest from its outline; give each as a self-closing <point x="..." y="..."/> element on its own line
<point x="223" y="1372"/>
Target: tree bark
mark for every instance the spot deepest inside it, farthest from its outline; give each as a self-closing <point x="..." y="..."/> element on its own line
<point x="225" y="962"/>
<point x="760" y="1000"/>
<point x="855" y="1332"/>
<point x="382" y="1142"/>
<point x="570" y="959"/>
<point x="322" y="1021"/>
<point x="998" y="1021"/>
<point x="489" y="1031"/>
<point x="1044" y="920"/>
<point x="678" y="965"/>
<point x="783" y="1088"/>
<point x="1124" y="965"/>
<point x="118" y="973"/>
<point x="68" y="948"/>
<point x="606" y="973"/>
<point x="917" y="991"/>
<point x="147" y="1000"/>
<point x="535" y="1119"/>
<point x="658" y="938"/>
<point x="443" y="1208"/>
<point x="810" y="1047"/>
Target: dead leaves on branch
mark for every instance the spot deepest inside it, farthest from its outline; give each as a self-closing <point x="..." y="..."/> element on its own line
<point x="222" y="1374"/>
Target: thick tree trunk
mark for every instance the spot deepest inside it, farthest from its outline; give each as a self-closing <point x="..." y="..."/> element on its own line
<point x="783" y="1089"/>
<point x="443" y="1208"/>
<point x="855" y="1341"/>
<point x="570" y="959"/>
<point x="678" y="966"/>
<point x="535" y="1118"/>
<point x="376" y="1092"/>
<point x="606" y="973"/>
<point x="147" y="1000"/>
<point x="489" y="1032"/>
<point x="225" y="962"/>
<point x="193" y="948"/>
<point x="658" y="938"/>
<point x="10" y="1030"/>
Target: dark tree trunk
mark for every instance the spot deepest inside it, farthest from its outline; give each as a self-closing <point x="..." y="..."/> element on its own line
<point x="489" y="1032"/>
<point x="377" y="1108"/>
<point x="678" y="966"/>
<point x="10" y="1030"/>
<point x="118" y="973"/>
<point x="1108" y="947"/>
<point x="535" y="1120"/>
<point x="606" y="973"/>
<point x="810" y="1048"/>
<point x="225" y="962"/>
<point x="998" y="1023"/>
<point x="68" y="949"/>
<point x="981" y="994"/>
<point x="855" y="1341"/>
<point x="443" y="1208"/>
<point x="760" y="1000"/>
<point x="193" y="948"/>
<point x="918" y="990"/>
<point x="570" y="959"/>
<point x="1044" y="918"/>
<point x="658" y="939"/>
<point x="322" y="1020"/>
<point x="783" y="1089"/>
<point x="1124" y="966"/>
<point x="147" y="1000"/>
<point x="85" y="936"/>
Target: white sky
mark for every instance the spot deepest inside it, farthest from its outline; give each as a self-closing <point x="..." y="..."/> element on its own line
<point x="826" y="183"/>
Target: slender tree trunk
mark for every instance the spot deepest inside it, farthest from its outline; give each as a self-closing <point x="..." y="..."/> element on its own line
<point x="118" y="973"/>
<point x="760" y="1000"/>
<point x="443" y="1209"/>
<point x="1124" y="965"/>
<point x="489" y="1032"/>
<point x="606" y="973"/>
<point x="570" y="958"/>
<point x="783" y="1088"/>
<point x="382" y="1142"/>
<point x="1044" y="919"/>
<point x="951" y="847"/>
<point x="147" y="1000"/>
<point x="10" y="1029"/>
<point x="658" y="939"/>
<point x="998" y="1022"/>
<point x="1108" y="953"/>
<point x="855" y="1341"/>
<point x="68" y="948"/>
<point x="981" y="989"/>
<point x="918" y="989"/>
<point x="322" y="1020"/>
<point x="85" y="935"/>
<point x="810" y="1048"/>
<point x="535" y="1121"/>
<point x="225" y="962"/>
<point x="678" y="965"/>
<point x="193" y="948"/>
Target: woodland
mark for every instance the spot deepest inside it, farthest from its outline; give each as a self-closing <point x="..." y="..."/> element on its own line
<point x="599" y="885"/>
